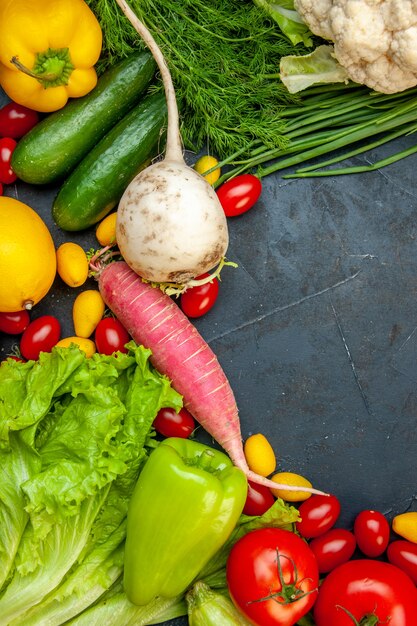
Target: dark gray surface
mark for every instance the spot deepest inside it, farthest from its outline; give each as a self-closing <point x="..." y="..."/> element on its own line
<point x="316" y="328"/>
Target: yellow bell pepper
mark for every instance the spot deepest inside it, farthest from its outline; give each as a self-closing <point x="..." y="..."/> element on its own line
<point x="48" y="50"/>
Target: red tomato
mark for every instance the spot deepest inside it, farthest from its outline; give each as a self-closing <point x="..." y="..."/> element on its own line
<point x="1" y="189"/>
<point x="318" y="514"/>
<point x="333" y="548"/>
<point x="372" y="532"/>
<point x="16" y="120"/>
<point x="239" y="194"/>
<point x="7" y="175"/>
<point x="169" y="423"/>
<point x="272" y="577"/>
<point x="14" y="323"/>
<point x="403" y="554"/>
<point x="14" y="358"/>
<point x="40" y="336"/>
<point x="258" y="500"/>
<point x="111" y="336"/>
<point x="366" y="589"/>
<point x="197" y="301"/>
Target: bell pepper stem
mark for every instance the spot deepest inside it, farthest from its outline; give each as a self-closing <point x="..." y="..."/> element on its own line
<point x="52" y="68"/>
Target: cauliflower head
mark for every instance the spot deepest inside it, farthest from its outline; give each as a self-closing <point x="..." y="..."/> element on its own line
<point x="374" y="40"/>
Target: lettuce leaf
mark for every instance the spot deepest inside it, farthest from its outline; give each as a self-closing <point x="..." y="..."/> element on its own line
<point x="69" y="461"/>
<point x="74" y="433"/>
<point x="114" y="609"/>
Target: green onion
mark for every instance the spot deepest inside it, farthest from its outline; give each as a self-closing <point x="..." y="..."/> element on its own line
<point x="223" y="56"/>
<point x="327" y="125"/>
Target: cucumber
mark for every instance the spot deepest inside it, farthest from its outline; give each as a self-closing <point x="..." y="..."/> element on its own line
<point x="51" y="150"/>
<point x="98" y="182"/>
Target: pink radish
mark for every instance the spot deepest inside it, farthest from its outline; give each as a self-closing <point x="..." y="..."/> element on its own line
<point x="154" y="320"/>
<point x="170" y="225"/>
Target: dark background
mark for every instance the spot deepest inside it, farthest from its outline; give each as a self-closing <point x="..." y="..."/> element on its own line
<point x="317" y="327"/>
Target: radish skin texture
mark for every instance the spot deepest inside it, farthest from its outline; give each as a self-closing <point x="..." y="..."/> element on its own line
<point x="154" y="320"/>
<point x="170" y="225"/>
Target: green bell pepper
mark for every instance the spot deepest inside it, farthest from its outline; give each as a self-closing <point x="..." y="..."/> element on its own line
<point x="186" y="502"/>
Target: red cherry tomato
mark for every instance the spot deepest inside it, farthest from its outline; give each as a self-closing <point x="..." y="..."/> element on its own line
<point x="14" y="358"/>
<point x="362" y="590"/>
<point x="333" y="548"/>
<point x="197" y="301"/>
<point x="40" y="336"/>
<point x="1" y="189"/>
<point x="16" y="120"/>
<point x="14" y="323"/>
<point x="268" y="594"/>
<point x="258" y="500"/>
<point x="318" y="514"/>
<point x="169" y="423"/>
<point x="239" y="194"/>
<point x="111" y="336"/>
<point x="403" y="554"/>
<point x="7" y="146"/>
<point x="372" y="532"/>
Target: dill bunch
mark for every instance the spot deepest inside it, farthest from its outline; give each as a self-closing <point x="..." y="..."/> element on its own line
<point x="224" y="59"/>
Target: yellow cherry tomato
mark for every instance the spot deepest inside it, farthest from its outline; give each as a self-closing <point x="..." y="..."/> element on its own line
<point x="106" y="230"/>
<point x="87" y="311"/>
<point x="259" y="455"/>
<point x="204" y="164"/>
<point x="72" y="264"/>
<point x="86" y="345"/>
<point x="289" y="478"/>
<point x="405" y="525"/>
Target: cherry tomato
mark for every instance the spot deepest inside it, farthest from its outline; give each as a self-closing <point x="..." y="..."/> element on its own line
<point x="1" y="189"/>
<point x="197" y="301"/>
<point x="111" y="336"/>
<point x="372" y="532"/>
<point x="239" y="194"/>
<point x="403" y="554"/>
<point x="258" y="500"/>
<point x="14" y="358"/>
<point x="40" y="336"/>
<point x="14" y="323"/>
<point x="405" y="525"/>
<point x="333" y="548"/>
<point x="16" y="120"/>
<point x="259" y="454"/>
<point x="268" y="594"/>
<point x="363" y="589"/>
<point x="169" y="423"/>
<point x="7" y="146"/>
<point x="318" y="514"/>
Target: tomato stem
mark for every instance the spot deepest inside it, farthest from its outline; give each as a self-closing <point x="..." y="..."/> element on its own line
<point x="290" y="592"/>
<point x="370" y="619"/>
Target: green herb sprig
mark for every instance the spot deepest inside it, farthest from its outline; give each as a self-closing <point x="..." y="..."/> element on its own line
<point x="221" y="54"/>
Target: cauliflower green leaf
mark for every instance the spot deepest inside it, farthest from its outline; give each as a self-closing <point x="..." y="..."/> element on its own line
<point x="320" y="66"/>
<point x="288" y="19"/>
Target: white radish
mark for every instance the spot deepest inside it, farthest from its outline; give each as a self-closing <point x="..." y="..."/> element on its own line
<point x="170" y="224"/>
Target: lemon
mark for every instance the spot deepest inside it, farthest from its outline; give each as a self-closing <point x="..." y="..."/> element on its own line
<point x="27" y="256"/>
